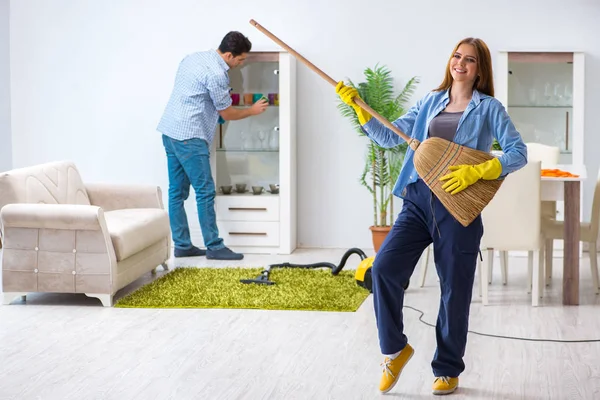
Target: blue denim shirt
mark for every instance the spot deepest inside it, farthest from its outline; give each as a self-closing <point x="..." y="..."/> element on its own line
<point x="484" y="119"/>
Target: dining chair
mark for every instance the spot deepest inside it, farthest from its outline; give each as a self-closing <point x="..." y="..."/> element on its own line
<point x="512" y="221"/>
<point x="548" y="156"/>
<point x="554" y="229"/>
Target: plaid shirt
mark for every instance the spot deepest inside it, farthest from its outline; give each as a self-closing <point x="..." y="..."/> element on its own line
<point x="201" y="89"/>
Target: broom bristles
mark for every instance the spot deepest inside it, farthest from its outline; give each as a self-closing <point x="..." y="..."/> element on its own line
<point x="432" y="159"/>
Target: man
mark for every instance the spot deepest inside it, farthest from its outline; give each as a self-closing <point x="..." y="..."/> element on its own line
<point x="200" y="95"/>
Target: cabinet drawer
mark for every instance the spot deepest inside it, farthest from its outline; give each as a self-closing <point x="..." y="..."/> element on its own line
<point x="247" y="208"/>
<point x="243" y="233"/>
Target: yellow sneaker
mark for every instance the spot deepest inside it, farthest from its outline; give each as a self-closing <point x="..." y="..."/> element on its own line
<point x="444" y="385"/>
<point x="393" y="368"/>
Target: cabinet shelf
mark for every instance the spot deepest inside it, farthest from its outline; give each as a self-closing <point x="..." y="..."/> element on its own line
<point x="248" y="150"/>
<point x="248" y="194"/>
<point x="248" y="106"/>
<point x="541" y="107"/>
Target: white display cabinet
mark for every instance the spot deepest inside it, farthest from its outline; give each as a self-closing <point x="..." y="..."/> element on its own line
<point x="258" y="151"/>
<point x="544" y="95"/>
<point x="543" y="92"/>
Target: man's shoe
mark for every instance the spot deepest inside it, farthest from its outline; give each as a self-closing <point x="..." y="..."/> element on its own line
<point x="193" y="252"/>
<point x="444" y="385"/>
<point x="223" y="254"/>
<point x="393" y="367"/>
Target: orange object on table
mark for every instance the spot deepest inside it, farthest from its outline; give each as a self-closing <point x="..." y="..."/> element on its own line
<point x="558" y="173"/>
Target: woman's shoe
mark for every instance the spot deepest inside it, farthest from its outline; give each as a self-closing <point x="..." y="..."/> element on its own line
<point x="444" y="385"/>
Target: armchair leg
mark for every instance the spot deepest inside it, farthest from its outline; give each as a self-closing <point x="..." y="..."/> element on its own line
<point x="165" y="266"/>
<point x="106" y="299"/>
<point x="9" y="297"/>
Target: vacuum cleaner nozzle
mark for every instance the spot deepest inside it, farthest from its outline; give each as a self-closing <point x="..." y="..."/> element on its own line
<point x="262" y="279"/>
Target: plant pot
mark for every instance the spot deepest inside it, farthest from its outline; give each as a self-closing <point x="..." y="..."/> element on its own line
<point x="379" y="233"/>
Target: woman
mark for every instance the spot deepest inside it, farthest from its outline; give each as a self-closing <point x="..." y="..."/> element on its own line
<point x="463" y="110"/>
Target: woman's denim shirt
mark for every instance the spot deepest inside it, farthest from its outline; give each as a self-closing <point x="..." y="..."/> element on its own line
<point x="484" y="119"/>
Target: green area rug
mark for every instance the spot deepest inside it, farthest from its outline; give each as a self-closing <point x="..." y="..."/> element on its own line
<point x="294" y="289"/>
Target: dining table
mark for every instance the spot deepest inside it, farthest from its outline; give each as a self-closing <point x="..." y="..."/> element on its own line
<point x="567" y="189"/>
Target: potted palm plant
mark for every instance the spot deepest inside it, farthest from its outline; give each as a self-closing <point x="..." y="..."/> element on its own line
<point x="382" y="166"/>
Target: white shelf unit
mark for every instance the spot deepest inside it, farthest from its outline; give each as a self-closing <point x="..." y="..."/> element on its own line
<point x="265" y="223"/>
<point x="543" y="92"/>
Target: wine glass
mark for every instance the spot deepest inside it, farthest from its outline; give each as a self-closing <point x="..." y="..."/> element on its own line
<point x="548" y="93"/>
<point x="262" y="136"/>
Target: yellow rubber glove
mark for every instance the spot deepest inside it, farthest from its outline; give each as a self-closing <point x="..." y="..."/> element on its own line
<point x="464" y="176"/>
<point x="348" y="94"/>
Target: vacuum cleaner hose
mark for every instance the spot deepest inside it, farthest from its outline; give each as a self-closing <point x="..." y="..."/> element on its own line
<point x="335" y="269"/>
<point x="347" y="254"/>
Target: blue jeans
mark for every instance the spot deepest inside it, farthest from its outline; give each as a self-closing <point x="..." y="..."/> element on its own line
<point x="189" y="163"/>
<point x="424" y="220"/>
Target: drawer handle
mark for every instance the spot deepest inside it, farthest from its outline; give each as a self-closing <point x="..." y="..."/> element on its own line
<point x="249" y="233"/>
<point x="247" y="209"/>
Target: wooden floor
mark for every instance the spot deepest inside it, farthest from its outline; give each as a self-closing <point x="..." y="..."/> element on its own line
<point x="69" y="347"/>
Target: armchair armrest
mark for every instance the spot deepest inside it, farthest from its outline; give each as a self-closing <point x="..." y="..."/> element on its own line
<point x="56" y="248"/>
<point x="119" y="196"/>
<point x="52" y="216"/>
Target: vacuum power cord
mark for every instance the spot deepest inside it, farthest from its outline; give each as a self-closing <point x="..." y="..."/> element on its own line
<point x="507" y="337"/>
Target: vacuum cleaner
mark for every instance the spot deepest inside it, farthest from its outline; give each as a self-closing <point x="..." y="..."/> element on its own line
<point x="362" y="275"/>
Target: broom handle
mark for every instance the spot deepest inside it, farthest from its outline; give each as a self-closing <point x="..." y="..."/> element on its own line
<point x="323" y="75"/>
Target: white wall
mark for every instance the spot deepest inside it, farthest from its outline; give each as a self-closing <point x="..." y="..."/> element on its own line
<point x="90" y="79"/>
<point x="5" y="135"/>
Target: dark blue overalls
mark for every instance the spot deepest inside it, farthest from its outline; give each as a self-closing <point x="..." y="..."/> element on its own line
<point x="424" y="220"/>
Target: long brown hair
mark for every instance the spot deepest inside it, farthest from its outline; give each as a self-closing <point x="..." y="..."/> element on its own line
<point x="485" y="79"/>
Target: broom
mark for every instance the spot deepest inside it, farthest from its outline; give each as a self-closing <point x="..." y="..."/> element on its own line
<point x="431" y="158"/>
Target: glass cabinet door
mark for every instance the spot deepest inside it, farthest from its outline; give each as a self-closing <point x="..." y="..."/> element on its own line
<point x="540" y="99"/>
<point x="247" y="150"/>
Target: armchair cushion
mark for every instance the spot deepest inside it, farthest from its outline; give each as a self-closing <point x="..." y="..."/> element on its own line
<point x="132" y="230"/>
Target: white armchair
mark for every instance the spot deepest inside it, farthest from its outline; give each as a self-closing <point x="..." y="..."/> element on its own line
<point x="61" y="235"/>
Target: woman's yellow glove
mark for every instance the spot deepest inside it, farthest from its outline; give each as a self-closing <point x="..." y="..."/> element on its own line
<point x="466" y="175"/>
<point x="348" y="94"/>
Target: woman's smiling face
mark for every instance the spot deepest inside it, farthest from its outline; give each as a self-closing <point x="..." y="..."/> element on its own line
<point x="463" y="66"/>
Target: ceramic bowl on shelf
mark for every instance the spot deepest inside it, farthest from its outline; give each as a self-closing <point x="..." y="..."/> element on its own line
<point x="274" y="188"/>
<point x="226" y="189"/>
<point x="257" y="189"/>
<point x="240" y="187"/>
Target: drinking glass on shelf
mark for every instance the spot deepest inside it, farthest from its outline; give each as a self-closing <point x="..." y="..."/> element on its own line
<point x="262" y="136"/>
<point x="558" y="94"/>
<point x="274" y="140"/>
<point x="568" y="94"/>
<point x="548" y="93"/>
<point x="532" y="96"/>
